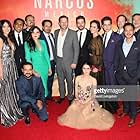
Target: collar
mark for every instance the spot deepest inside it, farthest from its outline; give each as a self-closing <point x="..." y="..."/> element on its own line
<point x="133" y="40"/>
<point x="84" y="30"/>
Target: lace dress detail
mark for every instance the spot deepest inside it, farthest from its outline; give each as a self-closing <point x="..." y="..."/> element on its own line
<point x="83" y="96"/>
<point x="85" y="112"/>
<point x="9" y="109"/>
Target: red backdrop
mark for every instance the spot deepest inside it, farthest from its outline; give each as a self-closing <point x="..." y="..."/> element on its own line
<point x="52" y="9"/>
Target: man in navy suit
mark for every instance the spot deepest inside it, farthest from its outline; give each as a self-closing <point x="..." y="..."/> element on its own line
<point x="127" y="68"/>
<point x="31" y="93"/>
<point x="110" y="40"/>
<point x="48" y="37"/>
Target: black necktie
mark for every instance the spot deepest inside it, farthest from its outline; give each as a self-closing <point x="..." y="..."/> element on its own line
<point x="52" y="45"/>
<point x="19" y="41"/>
<point x="80" y="39"/>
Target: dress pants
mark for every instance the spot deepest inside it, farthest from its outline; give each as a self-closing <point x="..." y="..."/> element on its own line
<point x="64" y="72"/>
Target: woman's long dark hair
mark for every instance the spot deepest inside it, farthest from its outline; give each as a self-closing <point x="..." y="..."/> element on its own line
<point x="30" y="40"/>
<point x="4" y="38"/>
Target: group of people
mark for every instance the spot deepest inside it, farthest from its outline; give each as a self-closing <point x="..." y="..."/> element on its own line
<point x="29" y="58"/>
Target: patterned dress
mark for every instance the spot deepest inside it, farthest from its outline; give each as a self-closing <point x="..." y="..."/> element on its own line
<point x="85" y="112"/>
<point x="9" y="109"/>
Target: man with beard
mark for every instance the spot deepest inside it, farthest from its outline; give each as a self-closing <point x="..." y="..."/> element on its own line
<point x="84" y="37"/>
<point x="31" y="93"/>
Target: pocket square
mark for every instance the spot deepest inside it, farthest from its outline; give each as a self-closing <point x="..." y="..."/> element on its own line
<point x="112" y="41"/>
<point x="136" y="48"/>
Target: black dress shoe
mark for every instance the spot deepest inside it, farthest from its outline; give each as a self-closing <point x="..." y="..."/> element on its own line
<point x="60" y="100"/>
<point x="27" y="120"/>
<point x="45" y="120"/>
<point x="50" y="99"/>
<point x="70" y="101"/>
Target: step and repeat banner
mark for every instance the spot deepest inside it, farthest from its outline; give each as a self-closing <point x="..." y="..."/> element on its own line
<point x="52" y="9"/>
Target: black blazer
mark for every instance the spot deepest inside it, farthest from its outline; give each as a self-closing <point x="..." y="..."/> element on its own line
<point x="131" y="62"/>
<point x="42" y="36"/>
<point x="84" y="51"/>
<point x="137" y="34"/>
<point x="19" y="51"/>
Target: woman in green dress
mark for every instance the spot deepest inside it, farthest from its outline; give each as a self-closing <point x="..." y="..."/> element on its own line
<point x="36" y="53"/>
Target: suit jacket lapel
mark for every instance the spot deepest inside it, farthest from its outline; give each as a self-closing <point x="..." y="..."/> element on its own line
<point x="122" y="49"/>
<point x="131" y="49"/>
<point x="110" y="39"/>
<point x="67" y="36"/>
<point x="15" y="41"/>
<point x="34" y="85"/>
<point x="133" y="45"/>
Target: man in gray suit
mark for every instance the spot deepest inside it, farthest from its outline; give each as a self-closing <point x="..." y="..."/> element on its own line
<point x="67" y="50"/>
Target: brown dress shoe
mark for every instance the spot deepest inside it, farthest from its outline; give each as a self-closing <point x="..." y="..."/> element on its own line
<point x="131" y="123"/>
<point x="122" y="115"/>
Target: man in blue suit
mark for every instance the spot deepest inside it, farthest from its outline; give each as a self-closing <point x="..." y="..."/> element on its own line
<point x="48" y="37"/>
<point x="31" y="93"/>
<point x="110" y="40"/>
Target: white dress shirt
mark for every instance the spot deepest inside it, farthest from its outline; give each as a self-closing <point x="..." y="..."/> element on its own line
<point x="83" y="37"/>
<point x="60" y="43"/>
<point x="108" y="35"/>
<point x="120" y="31"/>
<point x="49" y="44"/>
<point x="127" y="46"/>
<point x="20" y="35"/>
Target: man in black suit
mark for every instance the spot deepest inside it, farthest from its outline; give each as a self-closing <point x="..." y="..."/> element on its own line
<point x="84" y="37"/>
<point x="120" y="21"/>
<point x="29" y="22"/>
<point x="127" y="68"/>
<point x="31" y="94"/>
<point x="136" y="22"/>
<point x="19" y="39"/>
<point x="49" y="39"/>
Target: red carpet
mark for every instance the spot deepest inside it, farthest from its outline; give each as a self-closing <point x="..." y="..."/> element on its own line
<point x="50" y="130"/>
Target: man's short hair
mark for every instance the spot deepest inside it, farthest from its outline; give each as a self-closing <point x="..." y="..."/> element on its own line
<point x="106" y="18"/>
<point x="27" y="63"/>
<point x="121" y="16"/>
<point x="17" y="20"/>
<point x="63" y="16"/>
<point x="80" y="17"/>
<point x="129" y="24"/>
<point x="29" y="16"/>
<point x="46" y="20"/>
<point x="136" y="14"/>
